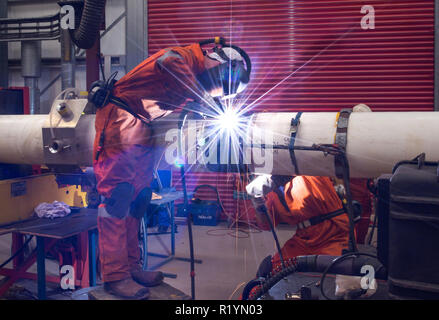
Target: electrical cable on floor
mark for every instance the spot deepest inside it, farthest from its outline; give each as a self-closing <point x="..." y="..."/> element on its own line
<point x="183" y="117"/>
<point x="245" y="233"/>
<point x="16" y="252"/>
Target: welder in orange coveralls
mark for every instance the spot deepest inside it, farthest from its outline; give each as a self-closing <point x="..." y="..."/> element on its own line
<point x="306" y="197"/>
<point x="123" y="153"/>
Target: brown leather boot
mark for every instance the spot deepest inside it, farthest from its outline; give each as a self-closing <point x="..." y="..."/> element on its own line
<point x="147" y="278"/>
<point x="127" y="289"/>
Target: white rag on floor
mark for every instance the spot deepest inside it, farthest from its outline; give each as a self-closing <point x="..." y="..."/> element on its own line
<point x="53" y="210"/>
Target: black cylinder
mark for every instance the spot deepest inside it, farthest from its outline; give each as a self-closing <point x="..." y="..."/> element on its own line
<point x="91" y="18"/>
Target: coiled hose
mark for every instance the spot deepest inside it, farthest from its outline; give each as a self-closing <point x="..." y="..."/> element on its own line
<point x="89" y="22"/>
<point x="265" y="284"/>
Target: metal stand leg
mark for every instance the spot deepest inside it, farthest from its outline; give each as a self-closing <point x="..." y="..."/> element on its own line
<point x="92" y="256"/>
<point x="41" y="268"/>
<point x="145" y="243"/>
<point x="166" y="257"/>
<point x="172" y="228"/>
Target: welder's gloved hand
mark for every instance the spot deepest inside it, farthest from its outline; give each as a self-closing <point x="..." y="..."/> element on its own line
<point x="260" y="186"/>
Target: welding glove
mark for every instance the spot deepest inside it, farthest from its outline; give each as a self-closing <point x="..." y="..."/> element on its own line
<point x="260" y="186"/>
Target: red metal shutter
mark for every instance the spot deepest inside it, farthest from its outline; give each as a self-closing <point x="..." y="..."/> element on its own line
<point x="312" y="55"/>
<point x="390" y="68"/>
<point x="336" y="63"/>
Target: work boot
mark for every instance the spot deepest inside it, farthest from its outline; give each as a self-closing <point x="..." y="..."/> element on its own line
<point x="127" y="289"/>
<point x="147" y="278"/>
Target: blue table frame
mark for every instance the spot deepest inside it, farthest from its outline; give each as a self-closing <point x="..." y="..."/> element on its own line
<point x="168" y="197"/>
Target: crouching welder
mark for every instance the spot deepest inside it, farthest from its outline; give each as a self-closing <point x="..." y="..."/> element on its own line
<point x="123" y="146"/>
<point x="312" y="206"/>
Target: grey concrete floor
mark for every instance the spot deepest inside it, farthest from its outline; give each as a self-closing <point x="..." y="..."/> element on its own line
<point x="230" y="259"/>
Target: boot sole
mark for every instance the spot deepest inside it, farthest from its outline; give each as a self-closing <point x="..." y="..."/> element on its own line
<point x="114" y="293"/>
<point x="152" y="284"/>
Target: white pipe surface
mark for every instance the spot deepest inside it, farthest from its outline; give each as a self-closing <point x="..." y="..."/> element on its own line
<point x="21" y="140"/>
<point x="376" y="141"/>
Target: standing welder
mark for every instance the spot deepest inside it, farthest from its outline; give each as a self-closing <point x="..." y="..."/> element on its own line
<point x="123" y="147"/>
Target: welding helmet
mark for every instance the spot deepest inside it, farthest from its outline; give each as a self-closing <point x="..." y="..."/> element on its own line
<point x="231" y="76"/>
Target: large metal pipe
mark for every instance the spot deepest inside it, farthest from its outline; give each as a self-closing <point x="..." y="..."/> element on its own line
<point x="375" y="141"/>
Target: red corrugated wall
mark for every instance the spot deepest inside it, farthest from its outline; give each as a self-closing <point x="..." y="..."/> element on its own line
<point x="311" y="55"/>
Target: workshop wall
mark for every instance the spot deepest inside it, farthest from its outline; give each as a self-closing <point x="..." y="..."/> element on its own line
<point x="312" y="55"/>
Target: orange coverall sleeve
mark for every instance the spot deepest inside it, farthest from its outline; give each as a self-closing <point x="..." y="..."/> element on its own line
<point x="179" y="68"/>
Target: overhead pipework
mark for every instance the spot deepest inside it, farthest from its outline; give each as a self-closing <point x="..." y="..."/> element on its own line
<point x="31" y="71"/>
<point x="88" y="18"/>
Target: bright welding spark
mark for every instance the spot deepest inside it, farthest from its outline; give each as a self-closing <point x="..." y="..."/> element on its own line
<point x="228" y="120"/>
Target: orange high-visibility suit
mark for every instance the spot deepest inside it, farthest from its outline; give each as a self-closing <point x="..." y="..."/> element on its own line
<point x="160" y="84"/>
<point x="307" y="197"/>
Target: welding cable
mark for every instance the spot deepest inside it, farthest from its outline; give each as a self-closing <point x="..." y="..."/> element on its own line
<point x="266" y="284"/>
<point x="259" y="204"/>
<point x="250" y="286"/>
<point x="16" y="252"/>
<point x="320" y="264"/>
<point x="352" y="243"/>
<point x="374" y="191"/>
<point x="183" y="117"/>
<point x="338" y="260"/>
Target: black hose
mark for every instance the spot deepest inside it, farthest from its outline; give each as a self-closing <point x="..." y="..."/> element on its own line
<point x="276" y="240"/>
<point x="259" y="205"/>
<point x="269" y="282"/>
<point x="189" y="228"/>
<point x="86" y="34"/>
<point x="321" y="264"/>
<point x="338" y="260"/>
<point x="352" y="242"/>
<point x="249" y="287"/>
